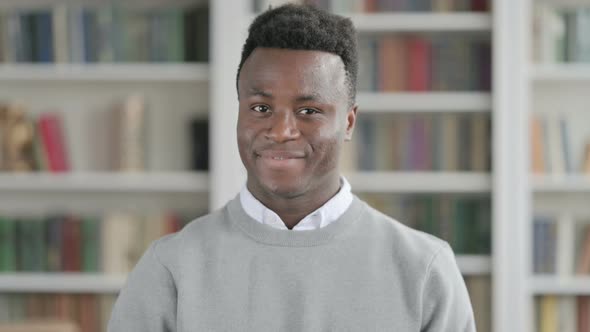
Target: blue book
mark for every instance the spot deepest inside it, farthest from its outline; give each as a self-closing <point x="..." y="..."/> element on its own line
<point x="44" y="37"/>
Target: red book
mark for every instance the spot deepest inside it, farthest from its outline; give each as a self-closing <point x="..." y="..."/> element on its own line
<point x="479" y="5"/>
<point x="88" y="315"/>
<point x="419" y="52"/>
<point x="52" y="138"/>
<point x="583" y="318"/>
<point x="370" y="6"/>
<point x="172" y="223"/>
<point x="72" y="245"/>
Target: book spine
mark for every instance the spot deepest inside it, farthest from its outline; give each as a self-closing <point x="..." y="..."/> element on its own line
<point x="7" y="245"/>
<point x="44" y="37"/>
<point x="418" y="64"/>
<point x="53" y="142"/>
<point x="60" y="33"/>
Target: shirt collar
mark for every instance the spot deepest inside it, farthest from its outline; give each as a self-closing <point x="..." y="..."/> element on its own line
<point x="324" y="215"/>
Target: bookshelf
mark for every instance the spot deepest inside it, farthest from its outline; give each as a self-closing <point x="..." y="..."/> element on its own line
<point x="554" y="94"/>
<point x="179" y="92"/>
<point x="85" y="93"/>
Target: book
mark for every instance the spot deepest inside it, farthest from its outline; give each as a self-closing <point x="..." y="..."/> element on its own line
<point x="7" y="244"/>
<point x="54" y="142"/>
<point x="418" y="64"/>
<point x="199" y="130"/>
<point x="130" y="123"/>
<point x="549" y="319"/>
<point x="583" y="261"/>
<point x="392" y="62"/>
<point x="586" y="160"/>
<point x="565" y="245"/>
<point x="567" y="321"/>
<point x="480" y="294"/>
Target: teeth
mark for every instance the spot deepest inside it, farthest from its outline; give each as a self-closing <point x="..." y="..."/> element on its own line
<point x="278" y="158"/>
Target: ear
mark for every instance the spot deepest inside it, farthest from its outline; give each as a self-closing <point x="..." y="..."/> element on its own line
<point x="350" y="122"/>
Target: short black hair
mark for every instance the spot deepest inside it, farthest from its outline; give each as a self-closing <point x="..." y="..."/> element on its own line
<point x="304" y="27"/>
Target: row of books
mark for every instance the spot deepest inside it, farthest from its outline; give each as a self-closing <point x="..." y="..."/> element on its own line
<point x="559" y="145"/>
<point x="55" y="142"/>
<point x="562" y="313"/>
<point x="74" y="33"/>
<point x="561" y="245"/>
<point x="66" y="312"/>
<point x="422" y="142"/>
<point x="73" y="243"/>
<point x="372" y="6"/>
<point x="561" y="34"/>
<point x="421" y="63"/>
<point x="464" y="222"/>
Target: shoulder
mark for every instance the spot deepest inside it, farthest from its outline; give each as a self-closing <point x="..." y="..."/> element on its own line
<point x="406" y="244"/>
<point x="197" y="234"/>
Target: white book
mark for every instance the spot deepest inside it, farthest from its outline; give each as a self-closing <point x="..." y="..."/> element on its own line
<point x="60" y="33"/>
<point x="567" y="316"/>
<point x="119" y="242"/>
<point x="549" y="32"/>
<point x="565" y="245"/>
<point x="555" y="146"/>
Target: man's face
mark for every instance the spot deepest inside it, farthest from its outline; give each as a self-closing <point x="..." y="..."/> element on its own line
<point x="294" y="116"/>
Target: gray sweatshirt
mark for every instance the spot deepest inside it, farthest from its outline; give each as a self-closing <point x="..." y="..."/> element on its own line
<point x="228" y="272"/>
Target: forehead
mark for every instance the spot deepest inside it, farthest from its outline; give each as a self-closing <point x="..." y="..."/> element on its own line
<point x="306" y="70"/>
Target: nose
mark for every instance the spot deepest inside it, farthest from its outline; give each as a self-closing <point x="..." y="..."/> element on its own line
<point x="283" y="127"/>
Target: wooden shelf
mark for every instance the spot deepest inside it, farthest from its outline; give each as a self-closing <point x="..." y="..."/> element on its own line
<point x="375" y="102"/>
<point x="541" y="285"/>
<point x="106" y="72"/>
<point x="180" y="182"/>
<point x="561" y="72"/>
<point x="558" y="184"/>
<point x="420" y="182"/>
<point x="101" y="283"/>
<point x="390" y="22"/>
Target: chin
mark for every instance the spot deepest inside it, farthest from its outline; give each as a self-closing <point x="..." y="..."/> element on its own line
<point x="285" y="187"/>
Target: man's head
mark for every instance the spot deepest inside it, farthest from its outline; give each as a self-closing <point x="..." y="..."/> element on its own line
<point x="300" y="27"/>
<point x="296" y="94"/>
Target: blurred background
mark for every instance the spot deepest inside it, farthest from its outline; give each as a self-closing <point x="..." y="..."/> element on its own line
<point x="117" y="126"/>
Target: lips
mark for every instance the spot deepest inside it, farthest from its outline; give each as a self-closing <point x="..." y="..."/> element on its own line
<point x="281" y="155"/>
<point x="281" y="160"/>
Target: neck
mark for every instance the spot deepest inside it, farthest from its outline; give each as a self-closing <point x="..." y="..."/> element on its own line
<point x="292" y="209"/>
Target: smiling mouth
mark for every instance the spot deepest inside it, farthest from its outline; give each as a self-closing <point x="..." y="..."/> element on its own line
<point x="280" y="155"/>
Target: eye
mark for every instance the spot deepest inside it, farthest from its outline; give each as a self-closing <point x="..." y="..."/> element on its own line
<point x="261" y="108"/>
<point x="307" y="111"/>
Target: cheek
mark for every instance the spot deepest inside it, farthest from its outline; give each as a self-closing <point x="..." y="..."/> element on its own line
<point x="327" y="147"/>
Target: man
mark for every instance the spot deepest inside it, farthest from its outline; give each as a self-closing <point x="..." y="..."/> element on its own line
<point x="295" y="250"/>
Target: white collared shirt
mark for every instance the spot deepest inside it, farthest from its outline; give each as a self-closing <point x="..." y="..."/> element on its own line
<point x="324" y="215"/>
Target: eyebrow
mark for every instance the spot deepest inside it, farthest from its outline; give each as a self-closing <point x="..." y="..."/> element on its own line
<point x="301" y="98"/>
<point x="308" y="97"/>
<point x="259" y="92"/>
